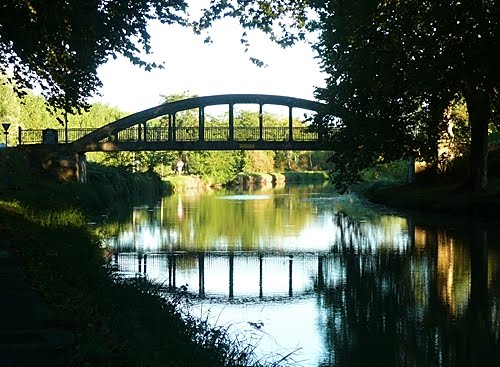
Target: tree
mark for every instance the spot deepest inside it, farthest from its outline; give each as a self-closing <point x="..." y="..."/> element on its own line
<point x="396" y="67"/>
<point x="9" y="104"/>
<point x="59" y="44"/>
<point x="258" y="161"/>
<point x="393" y="69"/>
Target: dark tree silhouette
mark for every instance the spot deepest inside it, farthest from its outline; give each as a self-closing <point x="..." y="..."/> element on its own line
<point x="59" y="44"/>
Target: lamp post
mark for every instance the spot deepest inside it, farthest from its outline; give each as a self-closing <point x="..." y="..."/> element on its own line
<point x="6" y="131"/>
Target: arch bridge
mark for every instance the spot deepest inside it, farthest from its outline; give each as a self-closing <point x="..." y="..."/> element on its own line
<point x="134" y="132"/>
<point x="140" y="131"/>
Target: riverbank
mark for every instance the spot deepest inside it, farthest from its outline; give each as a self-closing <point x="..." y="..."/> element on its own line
<point x="183" y="183"/>
<point x="441" y="198"/>
<point x="106" y="186"/>
<point x="114" y="321"/>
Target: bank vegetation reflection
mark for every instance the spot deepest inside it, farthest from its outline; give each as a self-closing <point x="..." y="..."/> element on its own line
<point x="387" y="291"/>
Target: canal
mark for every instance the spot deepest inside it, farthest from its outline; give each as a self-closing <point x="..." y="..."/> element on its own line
<point x="329" y="278"/>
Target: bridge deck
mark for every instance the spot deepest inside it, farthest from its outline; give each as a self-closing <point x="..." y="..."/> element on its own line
<point x="188" y="138"/>
<point x="136" y="132"/>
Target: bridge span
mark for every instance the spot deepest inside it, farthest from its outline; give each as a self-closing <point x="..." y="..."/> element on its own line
<point x="139" y="131"/>
<point x="62" y="152"/>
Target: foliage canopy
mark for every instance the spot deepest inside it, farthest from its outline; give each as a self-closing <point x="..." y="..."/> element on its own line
<point x="394" y="68"/>
<point x="58" y="44"/>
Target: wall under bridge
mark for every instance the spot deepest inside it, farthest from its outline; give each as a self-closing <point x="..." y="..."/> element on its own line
<point x="55" y="161"/>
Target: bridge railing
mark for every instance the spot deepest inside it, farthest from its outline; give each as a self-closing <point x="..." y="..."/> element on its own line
<point x="130" y="134"/>
<point x="304" y="134"/>
<point x="35" y="136"/>
<point x="157" y="133"/>
<point x="187" y="134"/>
<point x="276" y="133"/>
<point x="246" y="133"/>
<point x="216" y="133"/>
<point x="162" y="134"/>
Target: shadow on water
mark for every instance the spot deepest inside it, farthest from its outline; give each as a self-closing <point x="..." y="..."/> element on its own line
<point x="346" y="283"/>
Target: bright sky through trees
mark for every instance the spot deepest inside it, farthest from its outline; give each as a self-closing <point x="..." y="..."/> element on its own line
<point x="208" y="69"/>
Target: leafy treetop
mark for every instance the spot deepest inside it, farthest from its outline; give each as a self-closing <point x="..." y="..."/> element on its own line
<point x="394" y="69"/>
<point x="59" y="44"/>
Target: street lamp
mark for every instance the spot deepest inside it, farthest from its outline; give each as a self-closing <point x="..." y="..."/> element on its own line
<point x="6" y="131"/>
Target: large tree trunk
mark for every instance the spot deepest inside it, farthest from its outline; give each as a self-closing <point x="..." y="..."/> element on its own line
<point x="479" y="109"/>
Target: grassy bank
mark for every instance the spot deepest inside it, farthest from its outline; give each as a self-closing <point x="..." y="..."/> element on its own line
<point x="450" y="198"/>
<point x="184" y="183"/>
<point x="106" y="186"/>
<point x="117" y="322"/>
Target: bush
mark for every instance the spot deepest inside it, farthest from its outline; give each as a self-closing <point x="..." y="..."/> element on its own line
<point x="15" y="171"/>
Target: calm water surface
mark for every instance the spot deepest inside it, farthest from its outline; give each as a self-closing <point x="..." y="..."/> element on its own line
<point x="328" y="277"/>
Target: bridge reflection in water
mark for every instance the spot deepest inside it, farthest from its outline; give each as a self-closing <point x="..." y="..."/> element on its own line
<point x="234" y="275"/>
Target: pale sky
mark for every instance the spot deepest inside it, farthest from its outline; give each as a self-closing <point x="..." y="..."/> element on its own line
<point x="208" y="69"/>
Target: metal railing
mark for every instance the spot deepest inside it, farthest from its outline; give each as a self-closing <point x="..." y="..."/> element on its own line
<point x="187" y="134"/>
<point x="157" y="133"/>
<point x="130" y="134"/>
<point x="162" y="134"/>
<point x="35" y="136"/>
<point x="216" y="134"/>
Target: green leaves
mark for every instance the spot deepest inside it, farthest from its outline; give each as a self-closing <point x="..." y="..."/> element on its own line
<point x="59" y="44"/>
<point x="394" y="70"/>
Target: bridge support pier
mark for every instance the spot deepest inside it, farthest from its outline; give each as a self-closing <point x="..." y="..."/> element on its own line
<point x="56" y="162"/>
<point x="69" y="166"/>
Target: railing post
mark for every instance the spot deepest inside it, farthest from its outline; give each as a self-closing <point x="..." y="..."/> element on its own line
<point x="139" y="132"/>
<point x="261" y="284"/>
<point x="201" y="123"/>
<point x="231" y="122"/>
<point x="174" y="132"/>
<point x="20" y="135"/>
<point x="145" y="132"/>
<point x="170" y="130"/>
<point x="201" y="274"/>
<point x="66" y="126"/>
<point x="290" y="124"/>
<point x="321" y="280"/>
<point x="261" y="122"/>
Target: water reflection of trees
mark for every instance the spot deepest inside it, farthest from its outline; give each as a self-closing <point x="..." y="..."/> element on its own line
<point x="388" y="292"/>
<point x="428" y="303"/>
<point x="210" y="222"/>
